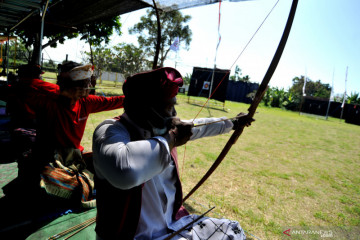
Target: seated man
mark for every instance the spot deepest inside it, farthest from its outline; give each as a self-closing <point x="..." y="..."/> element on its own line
<point x="23" y="117"/>
<point x="29" y="83"/>
<point x="139" y="193"/>
<point x="61" y="121"/>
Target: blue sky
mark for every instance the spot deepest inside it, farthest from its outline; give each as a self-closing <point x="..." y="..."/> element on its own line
<point x="325" y="39"/>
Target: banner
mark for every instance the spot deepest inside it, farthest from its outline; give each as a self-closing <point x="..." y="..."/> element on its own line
<point x="175" y="45"/>
<point x="303" y="90"/>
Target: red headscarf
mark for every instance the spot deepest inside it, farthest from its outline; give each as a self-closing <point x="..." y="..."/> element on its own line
<point x="159" y="84"/>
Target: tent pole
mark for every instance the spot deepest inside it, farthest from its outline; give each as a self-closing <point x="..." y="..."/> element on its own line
<point x="344" y="100"/>
<point x="7" y="56"/>
<point x="41" y="38"/>
<point x="39" y="60"/>
<point x="211" y="84"/>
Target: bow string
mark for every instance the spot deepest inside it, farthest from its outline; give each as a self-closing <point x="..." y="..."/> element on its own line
<point x="258" y="97"/>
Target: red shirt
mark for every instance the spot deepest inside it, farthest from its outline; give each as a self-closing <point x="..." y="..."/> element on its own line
<point x="66" y="123"/>
<point x="40" y="87"/>
<point x="18" y="107"/>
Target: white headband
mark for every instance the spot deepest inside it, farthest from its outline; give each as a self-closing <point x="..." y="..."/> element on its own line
<point x="81" y="72"/>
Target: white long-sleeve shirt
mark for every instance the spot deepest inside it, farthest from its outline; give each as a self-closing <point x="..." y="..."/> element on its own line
<point x="126" y="164"/>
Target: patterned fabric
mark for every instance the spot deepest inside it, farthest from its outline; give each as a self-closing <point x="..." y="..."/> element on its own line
<point x="66" y="182"/>
<point x="209" y="229"/>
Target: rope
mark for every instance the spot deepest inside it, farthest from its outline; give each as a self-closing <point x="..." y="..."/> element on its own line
<point x="247" y="44"/>
<point x="258" y="97"/>
<point x="262" y="23"/>
<point x="212" y="93"/>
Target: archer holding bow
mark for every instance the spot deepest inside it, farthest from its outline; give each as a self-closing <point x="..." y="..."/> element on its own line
<point x="139" y="193"/>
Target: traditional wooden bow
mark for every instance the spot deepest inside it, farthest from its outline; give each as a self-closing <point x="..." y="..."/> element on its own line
<point x="258" y="97"/>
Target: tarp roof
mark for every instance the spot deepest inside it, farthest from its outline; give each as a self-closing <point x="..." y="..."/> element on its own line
<point x="62" y="14"/>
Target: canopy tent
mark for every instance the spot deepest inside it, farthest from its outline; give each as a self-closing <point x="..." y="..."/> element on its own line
<point x="170" y="5"/>
<point x="62" y="14"/>
<point x="51" y="17"/>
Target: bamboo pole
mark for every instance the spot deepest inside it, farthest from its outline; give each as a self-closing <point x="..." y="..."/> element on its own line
<point x="76" y="228"/>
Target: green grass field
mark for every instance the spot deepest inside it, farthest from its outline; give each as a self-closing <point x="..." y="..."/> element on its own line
<point x="285" y="170"/>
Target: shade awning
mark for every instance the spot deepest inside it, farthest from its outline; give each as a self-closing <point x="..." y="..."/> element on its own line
<point x="62" y="14"/>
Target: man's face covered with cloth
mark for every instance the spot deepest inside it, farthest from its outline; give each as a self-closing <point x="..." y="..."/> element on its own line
<point x="150" y="99"/>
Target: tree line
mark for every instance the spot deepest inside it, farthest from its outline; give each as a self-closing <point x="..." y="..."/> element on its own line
<point x="292" y="98"/>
